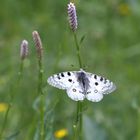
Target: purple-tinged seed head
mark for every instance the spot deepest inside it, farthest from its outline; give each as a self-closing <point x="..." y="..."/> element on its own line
<point x="24" y="49"/>
<point x="72" y="17"/>
<point x="38" y="44"/>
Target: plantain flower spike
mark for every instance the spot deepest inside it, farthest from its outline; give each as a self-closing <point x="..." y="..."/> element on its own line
<point x="72" y="17"/>
<point x="38" y="44"/>
<point x="23" y="49"/>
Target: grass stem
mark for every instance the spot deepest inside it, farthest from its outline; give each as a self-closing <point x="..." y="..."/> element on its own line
<point x="138" y="124"/>
<point x="78" y="121"/>
<point x="40" y="91"/>
<point x="12" y="95"/>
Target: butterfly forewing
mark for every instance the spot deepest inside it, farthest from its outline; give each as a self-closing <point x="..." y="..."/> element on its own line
<point x="62" y="80"/>
<point x="100" y="84"/>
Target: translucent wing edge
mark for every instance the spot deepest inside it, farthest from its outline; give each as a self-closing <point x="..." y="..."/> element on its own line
<point x="54" y="83"/>
<point x="110" y="89"/>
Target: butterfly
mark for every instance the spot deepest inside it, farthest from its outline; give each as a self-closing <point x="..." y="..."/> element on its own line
<point x="80" y="85"/>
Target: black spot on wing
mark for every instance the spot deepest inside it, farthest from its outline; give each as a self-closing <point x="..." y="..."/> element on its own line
<point x="95" y="76"/>
<point x="69" y="74"/>
<point x="101" y="79"/>
<point x="70" y="80"/>
<point x="96" y="83"/>
<point x="62" y="74"/>
<point x="58" y="76"/>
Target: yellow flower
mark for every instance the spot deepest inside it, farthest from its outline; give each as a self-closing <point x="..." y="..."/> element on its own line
<point x="3" y="107"/>
<point x="61" y="133"/>
<point x="124" y="9"/>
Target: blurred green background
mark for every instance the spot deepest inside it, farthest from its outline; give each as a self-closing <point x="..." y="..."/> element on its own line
<point x="111" y="48"/>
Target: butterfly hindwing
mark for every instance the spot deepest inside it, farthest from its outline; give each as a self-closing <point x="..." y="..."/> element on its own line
<point x="75" y="92"/>
<point x="94" y="97"/>
<point x="62" y="80"/>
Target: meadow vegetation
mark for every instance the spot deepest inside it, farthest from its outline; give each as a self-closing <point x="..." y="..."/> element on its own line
<point x="111" y="48"/>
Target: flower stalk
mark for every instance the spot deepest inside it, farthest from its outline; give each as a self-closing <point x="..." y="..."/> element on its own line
<point x="72" y="18"/>
<point x="138" y="123"/>
<point x="23" y="55"/>
<point x="39" y="49"/>
<point x="79" y="104"/>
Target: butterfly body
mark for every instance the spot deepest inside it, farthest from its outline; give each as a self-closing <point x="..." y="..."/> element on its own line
<point x="80" y="85"/>
<point x="83" y="81"/>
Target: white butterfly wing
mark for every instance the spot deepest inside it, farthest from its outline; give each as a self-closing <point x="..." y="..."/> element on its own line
<point x="75" y="92"/>
<point x="62" y="80"/>
<point x="98" y="86"/>
<point x="94" y="97"/>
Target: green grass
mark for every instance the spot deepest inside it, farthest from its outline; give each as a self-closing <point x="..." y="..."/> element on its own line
<point x="111" y="48"/>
